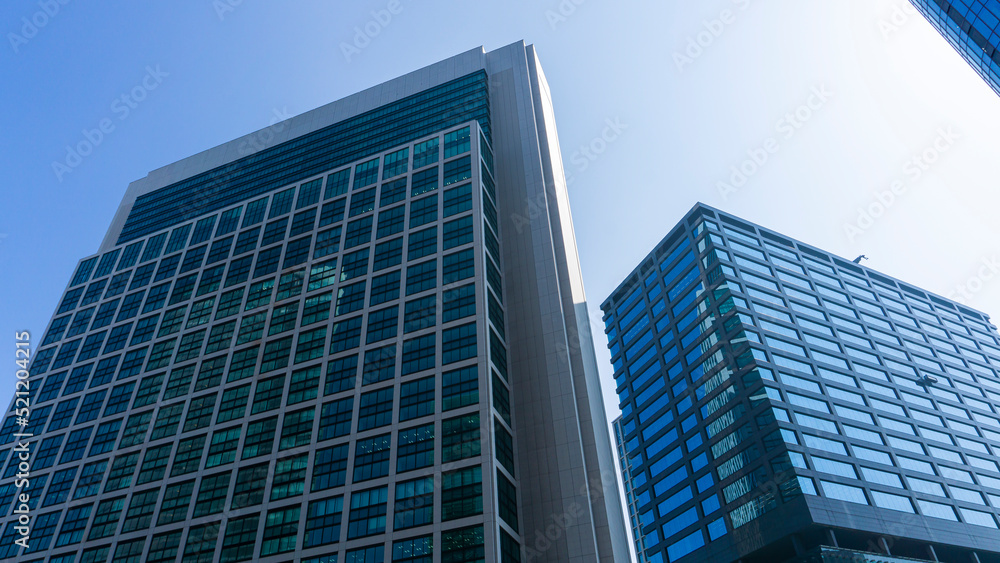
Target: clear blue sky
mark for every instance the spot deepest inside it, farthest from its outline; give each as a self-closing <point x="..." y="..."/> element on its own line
<point x="891" y="84"/>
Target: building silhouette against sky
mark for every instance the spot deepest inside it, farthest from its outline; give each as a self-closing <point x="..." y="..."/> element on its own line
<point x="332" y="340"/>
<point x="973" y="28"/>
<point x="779" y="401"/>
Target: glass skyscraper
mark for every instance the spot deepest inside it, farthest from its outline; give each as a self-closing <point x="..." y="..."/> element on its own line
<point x="333" y="340"/>
<point x="973" y="28"/>
<point x="780" y="403"/>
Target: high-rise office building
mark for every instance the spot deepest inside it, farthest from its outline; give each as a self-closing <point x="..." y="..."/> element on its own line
<point x="973" y="29"/>
<point x="780" y="403"/>
<point x="337" y="339"/>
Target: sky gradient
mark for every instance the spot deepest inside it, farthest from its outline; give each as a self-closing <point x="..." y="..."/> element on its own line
<point x="848" y="124"/>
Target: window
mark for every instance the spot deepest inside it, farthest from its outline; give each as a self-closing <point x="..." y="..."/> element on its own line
<point x="329" y="468"/>
<point x="327" y="243"/>
<point x="416" y="399"/>
<point x="365" y="174"/>
<point x="425" y="153"/>
<point x="179" y="383"/>
<point x="259" y="294"/>
<point x="458" y="343"/>
<point x="460" y="388"/>
<point x="244" y="365"/>
<point x="73" y="526"/>
<point x="296" y="430"/>
<point x="395" y="163"/>
<point x="380" y="365"/>
<point x="463" y="544"/>
<point x="276" y="353"/>
<point x="188" y="458"/>
<point x="346" y="335"/>
<point x="322" y="274"/>
<point x="304" y="385"/>
<point x="267" y="262"/>
<point x="461" y="493"/>
<point x="420" y="314"/>
<point x="375" y="409"/>
<point x="460" y="438"/>
<point x="283" y="318"/>
<point x="249" y="489"/>
<point x="289" y="477"/>
<point x="350" y="298"/>
<point x="382" y="325"/>
<point x="173" y="320"/>
<point x="422" y="243"/>
<point x="274" y="232"/>
<point x="229" y="304"/>
<point x="421" y="277"/>
<point x="163" y="547"/>
<point x="358" y="232"/>
<point x="415" y="449"/>
<point x="219" y="339"/>
<point x="371" y="458"/>
<point x="458" y="266"/>
<point x="239" y="271"/>
<point x="507" y="500"/>
<point x="341" y="375"/>
<point x="234" y="403"/>
<point x="457" y="232"/>
<point x="317" y="308"/>
<point x="354" y="264"/>
<point x="269" y="394"/>
<point x="414" y="503"/>
<point x="392" y="192"/>
<point x="368" y="512"/>
<point x="246" y="242"/>
<point x="251" y="328"/>
<point x="260" y="438"/>
<point x="223" y="447"/>
<point x="388" y="254"/>
<point x="120" y="476"/>
<point x="418" y="354"/>
<point x="461" y="302"/>
<point x="303" y="222"/>
<point x="201" y="542"/>
<point x="391" y="221"/>
<point x="336" y="183"/>
<point x="212" y="494"/>
<point x="167" y="421"/>
<point x="384" y="288"/>
<point x="424" y="181"/>
<point x="62" y="481"/>
<point x="458" y="200"/>
<point x="423" y="211"/>
<point x="176" y="500"/>
<point x="105" y="438"/>
<point x="135" y="429"/>
<point x="201" y="312"/>
<point x="332" y="212"/>
<point x="140" y="511"/>
<point x="210" y="280"/>
<point x="504" y="446"/>
<point x="323" y="522"/>
<point x="281" y="530"/>
<point x="241" y="536"/>
<point x="90" y="479"/>
<point x="362" y="202"/>
<point x="106" y="518"/>
<point x="200" y="412"/>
